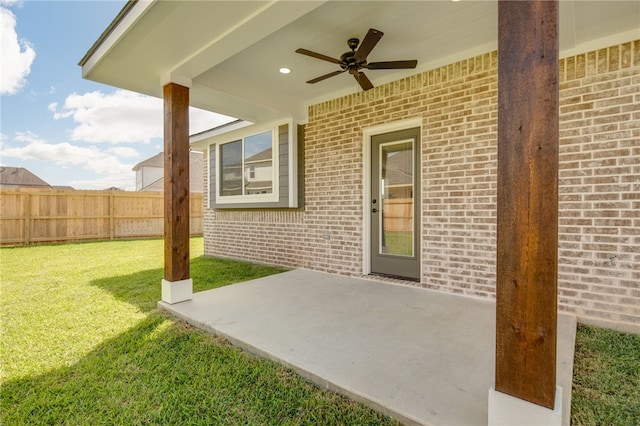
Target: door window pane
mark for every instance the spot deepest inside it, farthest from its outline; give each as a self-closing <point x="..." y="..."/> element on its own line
<point x="396" y="187"/>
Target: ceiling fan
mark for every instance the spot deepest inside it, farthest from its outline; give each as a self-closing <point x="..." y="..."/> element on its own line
<point x="356" y="59"/>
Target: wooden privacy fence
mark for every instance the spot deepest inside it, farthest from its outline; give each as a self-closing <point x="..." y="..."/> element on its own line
<point x="398" y="214"/>
<point x="30" y="216"/>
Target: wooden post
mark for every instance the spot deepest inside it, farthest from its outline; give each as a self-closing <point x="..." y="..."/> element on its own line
<point x="27" y="218"/>
<point x="176" y="182"/>
<point x="112" y="222"/>
<point x="527" y="231"/>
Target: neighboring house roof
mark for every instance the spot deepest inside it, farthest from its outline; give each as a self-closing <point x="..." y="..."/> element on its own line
<point x="20" y="177"/>
<point x="195" y="171"/>
<point x="260" y="156"/>
<point x="155" y="186"/>
<point x="155" y="161"/>
<point x="399" y="167"/>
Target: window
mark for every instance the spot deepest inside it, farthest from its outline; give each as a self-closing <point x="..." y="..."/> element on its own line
<point x="254" y="167"/>
<point x="258" y="164"/>
<point x="247" y="166"/>
<point x="231" y="170"/>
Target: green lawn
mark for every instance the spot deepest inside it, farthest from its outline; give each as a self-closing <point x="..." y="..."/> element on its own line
<point x="398" y="242"/>
<point x="606" y="378"/>
<point x="83" y="343"/>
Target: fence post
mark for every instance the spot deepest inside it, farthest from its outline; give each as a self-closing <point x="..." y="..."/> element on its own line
<point x="27" y="218"/>
<point x="112" y="228"/>
<point x="134" y="216"/>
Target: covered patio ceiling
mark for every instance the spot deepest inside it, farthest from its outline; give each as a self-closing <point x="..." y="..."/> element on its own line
<point x="229" y="52"/>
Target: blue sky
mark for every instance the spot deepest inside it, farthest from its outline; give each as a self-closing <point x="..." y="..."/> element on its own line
<point x="66" y="130"/>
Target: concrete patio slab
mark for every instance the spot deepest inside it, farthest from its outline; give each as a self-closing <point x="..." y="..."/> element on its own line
<point x="421" y="356"/>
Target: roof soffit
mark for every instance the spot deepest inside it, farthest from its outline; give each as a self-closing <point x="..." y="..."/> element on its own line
<point x="231" y="50"/>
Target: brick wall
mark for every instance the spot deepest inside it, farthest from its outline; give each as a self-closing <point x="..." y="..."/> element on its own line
<point x="599" y="253"/>
<point x="599" y="256"/>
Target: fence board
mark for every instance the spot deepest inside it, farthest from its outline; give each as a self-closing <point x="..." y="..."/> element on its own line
<point x="39" y="215"/>
<point x="398" y="214"/>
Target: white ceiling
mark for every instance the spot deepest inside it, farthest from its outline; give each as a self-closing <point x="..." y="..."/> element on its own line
<point x="230" y="52"/>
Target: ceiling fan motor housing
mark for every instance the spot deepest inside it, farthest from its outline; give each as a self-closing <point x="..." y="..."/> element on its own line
<point x="348" y="59"/>
<point x="349" y="62"/>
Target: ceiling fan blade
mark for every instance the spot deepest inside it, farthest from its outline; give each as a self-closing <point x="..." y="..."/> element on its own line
<point x="370" y="40"/>
<point x="391" y="65"/>
<point x="323" y="77"/>
<point x="363" y="81"/>
<point x="318" y="56"/>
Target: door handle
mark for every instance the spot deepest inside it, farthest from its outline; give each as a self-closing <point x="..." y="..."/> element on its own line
<point x="374" y="210"/>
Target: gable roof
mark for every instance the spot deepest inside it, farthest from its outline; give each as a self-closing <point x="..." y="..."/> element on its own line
<point x="158" y="160"/>
<point x="399" y="170"/>
<point x="155" y="161"/>
<point x="195" y="171"/>
<point x="260" y="156"/>
<point x="19" y="176"/>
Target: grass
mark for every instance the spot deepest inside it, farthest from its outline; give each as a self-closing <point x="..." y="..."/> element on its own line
<point x="82" y="343"/>
<point x="399" y="243"/>
<point x="606" y="380"/>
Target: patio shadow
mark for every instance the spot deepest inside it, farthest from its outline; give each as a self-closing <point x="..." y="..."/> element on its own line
<point x="142" y="289"/>
<point x="157" y="373"/>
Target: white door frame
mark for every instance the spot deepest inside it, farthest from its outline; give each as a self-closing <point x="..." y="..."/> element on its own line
<point x="367" y="134"/>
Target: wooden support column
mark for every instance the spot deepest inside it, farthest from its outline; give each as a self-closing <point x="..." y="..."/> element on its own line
<point x="176" y="194"/>
<point x="527" y="231"/>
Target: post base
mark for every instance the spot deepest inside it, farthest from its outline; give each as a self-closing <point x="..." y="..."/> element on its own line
<point x="177" y="291"/>
<point x="508" y="410"/>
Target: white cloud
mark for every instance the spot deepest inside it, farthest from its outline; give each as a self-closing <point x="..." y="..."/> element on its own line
<point x="111" y="181"/>
<point x="124" y="152"/>
<point x="28" y="137"/>
<point x="120" y="117"/>
<point x="17" y="55"/>
<point x="123" y="117"/>
<point x="65" y="155"/>
<point x="60" y="153"/>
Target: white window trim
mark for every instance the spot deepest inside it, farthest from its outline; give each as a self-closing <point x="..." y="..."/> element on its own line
<point x="293" y="164"/>
<point x="253" y="198"/>
<point x="241" y="133"/>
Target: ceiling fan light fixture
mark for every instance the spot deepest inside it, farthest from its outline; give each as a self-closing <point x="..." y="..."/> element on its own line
<point x="285" y="70"/>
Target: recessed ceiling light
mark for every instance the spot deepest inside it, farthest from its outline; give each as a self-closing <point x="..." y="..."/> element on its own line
<point x="285" y="70"/>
